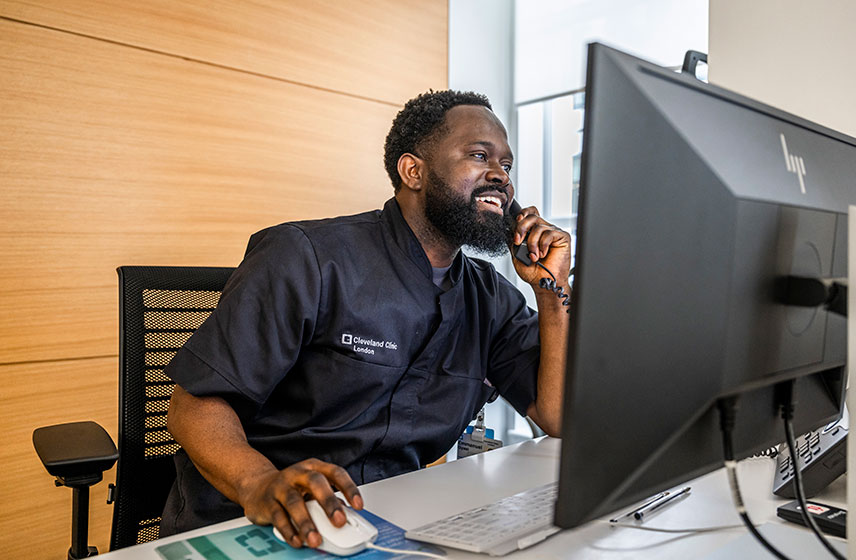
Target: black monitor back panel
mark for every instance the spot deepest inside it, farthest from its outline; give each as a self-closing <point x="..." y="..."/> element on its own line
<point x="693" y="201"/>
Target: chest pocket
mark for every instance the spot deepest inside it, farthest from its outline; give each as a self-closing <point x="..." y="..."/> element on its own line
<point x="328" y="391"/>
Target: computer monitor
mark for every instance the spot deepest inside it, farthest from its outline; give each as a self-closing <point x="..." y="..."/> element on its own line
<point x="694" y="203"/>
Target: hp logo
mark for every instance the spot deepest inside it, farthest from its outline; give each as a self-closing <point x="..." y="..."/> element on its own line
<point x="794" y="163"/>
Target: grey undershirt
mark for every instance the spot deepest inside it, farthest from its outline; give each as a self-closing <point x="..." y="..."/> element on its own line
<point x="441" y="278"/>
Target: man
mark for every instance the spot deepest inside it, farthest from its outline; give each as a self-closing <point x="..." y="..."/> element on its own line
<point x="360" y="347"/>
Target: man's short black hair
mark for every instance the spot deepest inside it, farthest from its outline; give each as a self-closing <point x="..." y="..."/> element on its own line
<point x="419" y="121"/>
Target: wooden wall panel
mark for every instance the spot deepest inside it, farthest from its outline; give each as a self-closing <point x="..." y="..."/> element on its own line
<point x="166" y="133"/>
<point x="35" y="520"/>
<point x="381" y="49"/>
<point x="72" y="322"/>
<point x="140" y="158"/>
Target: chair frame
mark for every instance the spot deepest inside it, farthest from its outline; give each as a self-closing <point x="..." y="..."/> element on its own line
<point x="137" y="508"/>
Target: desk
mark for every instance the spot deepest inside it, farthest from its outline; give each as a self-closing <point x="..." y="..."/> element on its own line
<point x="417" y="498"/>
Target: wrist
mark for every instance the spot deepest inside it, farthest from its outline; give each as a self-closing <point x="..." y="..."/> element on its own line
<point x="248" y="483"/>
<point x="546" y="299"/>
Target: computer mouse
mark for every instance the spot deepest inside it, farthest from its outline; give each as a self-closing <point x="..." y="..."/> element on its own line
<point x="346" y="540"/>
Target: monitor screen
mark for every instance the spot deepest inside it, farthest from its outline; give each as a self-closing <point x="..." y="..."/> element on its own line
<point x="694" y="203"/>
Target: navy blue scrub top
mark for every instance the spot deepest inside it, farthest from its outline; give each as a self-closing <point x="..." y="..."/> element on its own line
<point x="331" y="340"/>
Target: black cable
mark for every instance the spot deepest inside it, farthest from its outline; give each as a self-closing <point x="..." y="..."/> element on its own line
<point x="552" y="285"/>
<point x="727" y="414"/>
<point x="787" y="407"/>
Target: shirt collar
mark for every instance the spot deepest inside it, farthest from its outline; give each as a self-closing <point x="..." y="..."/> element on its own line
<point x="406" y="240"/>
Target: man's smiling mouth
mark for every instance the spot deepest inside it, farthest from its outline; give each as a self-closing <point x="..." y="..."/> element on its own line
<point x="494" y="203"/>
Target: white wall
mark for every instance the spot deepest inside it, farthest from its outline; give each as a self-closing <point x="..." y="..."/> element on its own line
<point x="796" y="55"/>
<point x="481" y="50"/>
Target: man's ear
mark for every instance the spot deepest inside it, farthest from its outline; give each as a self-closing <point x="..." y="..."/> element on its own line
<point x="411" y="169"/>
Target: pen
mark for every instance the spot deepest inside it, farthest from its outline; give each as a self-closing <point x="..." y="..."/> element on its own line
<point x="640" y="513"/>
<point x="650" y="501"/>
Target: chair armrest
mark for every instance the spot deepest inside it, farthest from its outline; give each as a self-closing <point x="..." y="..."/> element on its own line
<point x="77" y="450"/>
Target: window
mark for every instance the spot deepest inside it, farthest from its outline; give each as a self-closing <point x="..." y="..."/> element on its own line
<point x="528" y="56"/>
<point x="550" y="41"/>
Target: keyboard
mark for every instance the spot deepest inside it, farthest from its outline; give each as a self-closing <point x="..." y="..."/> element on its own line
<point x="509" y="524"/>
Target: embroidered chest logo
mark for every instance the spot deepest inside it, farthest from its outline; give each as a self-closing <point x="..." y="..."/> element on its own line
<point x="367" y="345"/>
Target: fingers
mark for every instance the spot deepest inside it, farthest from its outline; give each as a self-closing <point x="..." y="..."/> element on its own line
<point x="283" y="523"/>
<point x="281" y="500"/>
<point x="342" y="480"/>
<point x="525" y="220"/>
<point x="542" y="236"/>
<point x="318" y="487"/>
<point x="548" y="238"/>
<point x="298" y="516"/>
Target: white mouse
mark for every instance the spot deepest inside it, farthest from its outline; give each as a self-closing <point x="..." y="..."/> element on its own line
<point x="346" y="540"/>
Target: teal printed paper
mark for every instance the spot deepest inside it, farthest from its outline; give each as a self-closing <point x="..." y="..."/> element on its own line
<point x="254" y="542"/>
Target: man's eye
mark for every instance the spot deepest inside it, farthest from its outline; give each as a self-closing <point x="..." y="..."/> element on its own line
<point x="507" y="168"/>
<point x="480" y="156"/>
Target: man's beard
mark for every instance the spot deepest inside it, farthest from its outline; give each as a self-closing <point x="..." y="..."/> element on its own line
<point x="460" y="222"/>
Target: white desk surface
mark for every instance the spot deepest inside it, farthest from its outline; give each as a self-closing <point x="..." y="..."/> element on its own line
<point x="417" y="498"/>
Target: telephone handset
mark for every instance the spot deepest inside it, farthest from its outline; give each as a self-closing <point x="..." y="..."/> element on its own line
<point x="521" y="253"/>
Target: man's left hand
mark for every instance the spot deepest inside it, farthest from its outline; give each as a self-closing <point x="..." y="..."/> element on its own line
<point x="547" y="244"/>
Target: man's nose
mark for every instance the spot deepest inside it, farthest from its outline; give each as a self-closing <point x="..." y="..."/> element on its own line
<point x="496" y="174"/>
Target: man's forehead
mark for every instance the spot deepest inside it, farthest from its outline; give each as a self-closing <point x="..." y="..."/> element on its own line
<point x="474" y="124"/>
<point x="469" y="116"/>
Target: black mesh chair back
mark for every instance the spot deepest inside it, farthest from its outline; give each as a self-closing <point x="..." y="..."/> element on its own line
<point x="159" y="308"/>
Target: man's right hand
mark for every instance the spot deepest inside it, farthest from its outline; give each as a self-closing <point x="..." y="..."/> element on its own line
<point x="211" y="433"/>
<point x="279" y="498"/>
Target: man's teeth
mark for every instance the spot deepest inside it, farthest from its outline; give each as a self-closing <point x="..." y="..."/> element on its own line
<point x="495" y="200"/>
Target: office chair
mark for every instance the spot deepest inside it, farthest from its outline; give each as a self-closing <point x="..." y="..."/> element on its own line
<point x="159" y="308"/>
